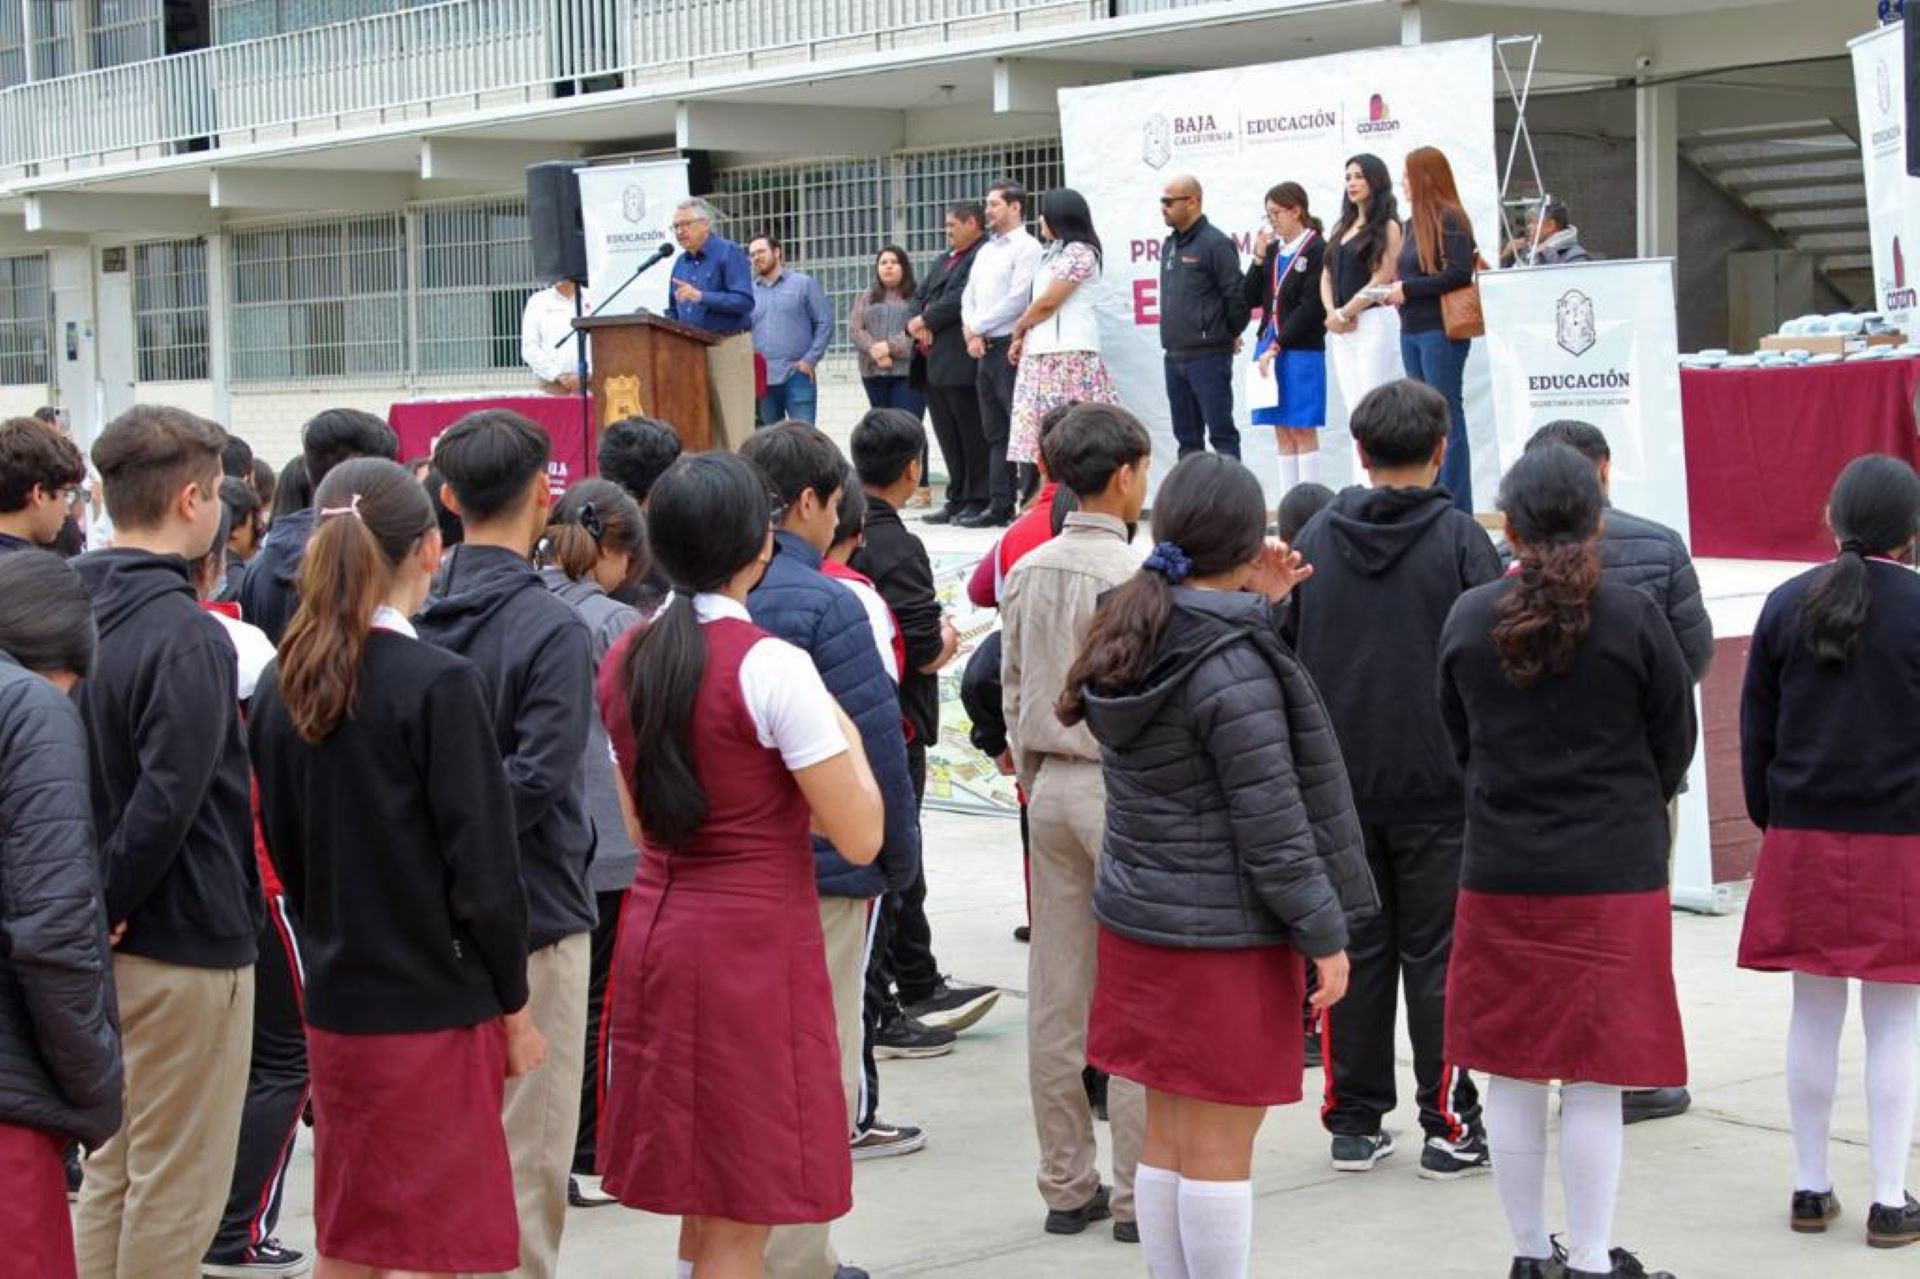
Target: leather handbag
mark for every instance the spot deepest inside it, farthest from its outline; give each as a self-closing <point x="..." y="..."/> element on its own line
<point x="1460" y="311"/>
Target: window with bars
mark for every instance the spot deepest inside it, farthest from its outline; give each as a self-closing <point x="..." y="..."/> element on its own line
<point x="473" y="271"/>
<point x="236" y="20"/>
<point x="124" y="31"/>
<point x="24" y="321"/>
<point x="319" y="299"/>
<point x="170" y="310"/>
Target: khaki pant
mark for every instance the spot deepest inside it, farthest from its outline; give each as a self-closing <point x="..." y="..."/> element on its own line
<point x="154" y="1193"/>
<point x="1066" y="820"/>
<point x="542" y="1111"/>
<point x="730" y="390"/>
<point x="806" y="1252"/>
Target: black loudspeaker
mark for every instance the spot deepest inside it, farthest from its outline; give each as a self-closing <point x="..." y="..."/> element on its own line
<point x="553" y="221"/>
<point x="699" y="171"/>
<point x="1912" y="37"/>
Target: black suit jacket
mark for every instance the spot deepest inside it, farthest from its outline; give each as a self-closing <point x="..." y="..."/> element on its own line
<point x="938" y="303"/>
<point x="1303" y="316"/>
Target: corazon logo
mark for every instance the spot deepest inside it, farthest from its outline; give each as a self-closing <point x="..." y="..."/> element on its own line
<point x="1377" y="109"/>
<point x="1156" y="141"/>
<point x="1573" y="326"/>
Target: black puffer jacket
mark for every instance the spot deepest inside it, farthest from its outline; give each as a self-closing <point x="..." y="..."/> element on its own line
<point x="1229" y="820"/>
<point x="60" y="1067"/>
<point x="1653" y="559"/>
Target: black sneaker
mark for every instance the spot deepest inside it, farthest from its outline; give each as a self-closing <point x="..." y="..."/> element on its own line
<point x="952" y="1007"/>
<point x="1023" y="933"/>
<point x="1443" y="1160"/>
<point x="1071" y="1221"/>
<point x="1893" y="1227"/>
<point x="269" y="1258"/>
<point x="1640" y="1104"/>
<point x="881" y="1140"/>
<point x="851" y="1272"/>
<point x="1625" y="1266"/>
<point x="585" y="1192"/>
<point x="1812" y="1210"/>
<point x="906" y="1038"/>
<point x="1359" y="1152"/>
<point x="1126" y="1232"/>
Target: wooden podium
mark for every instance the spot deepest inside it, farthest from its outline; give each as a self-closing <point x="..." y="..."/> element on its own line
<point x="648" y="366"/>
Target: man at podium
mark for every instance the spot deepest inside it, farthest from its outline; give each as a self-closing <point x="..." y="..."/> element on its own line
<point x="712" y="289"/>
<point x="547" y="319"/>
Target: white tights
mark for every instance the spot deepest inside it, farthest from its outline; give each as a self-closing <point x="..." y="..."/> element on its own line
<point x="1590" y="1155"/>
<point x="1891" y="1014"/>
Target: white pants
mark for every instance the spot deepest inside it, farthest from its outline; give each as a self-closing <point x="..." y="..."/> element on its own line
<point x="1367" y="357"/>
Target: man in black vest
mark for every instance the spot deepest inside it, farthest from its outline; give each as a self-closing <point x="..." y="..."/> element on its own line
<point x="943" y="369"/>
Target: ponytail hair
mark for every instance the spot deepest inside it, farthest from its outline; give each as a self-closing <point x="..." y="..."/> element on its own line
<point x="1874" y="510"/>
<point x="594" y="516"/>
<point x="1552" y="501"/>
<point x="372" y="515"/>
<point x="1209" y="518"/>
<point x="709" y="517"/>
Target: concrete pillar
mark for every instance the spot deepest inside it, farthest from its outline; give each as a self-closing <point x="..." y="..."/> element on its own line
<point x="218" y="273"/>
<point x="1657" y="169"/>
<point x="1410" y="26"/>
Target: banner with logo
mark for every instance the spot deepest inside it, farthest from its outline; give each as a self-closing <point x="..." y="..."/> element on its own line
<point x="1879" y="85"/>
<point x="1241" y="131"/>
<point x="1597" y="342"/>
<point x="627" y="213"/>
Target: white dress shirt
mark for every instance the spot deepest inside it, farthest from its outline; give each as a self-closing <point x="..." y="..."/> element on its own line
<point x="547" y="319"/>
<point x="1001" y="284"/>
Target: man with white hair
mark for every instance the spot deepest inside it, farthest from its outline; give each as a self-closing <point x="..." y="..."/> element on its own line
<point x="712" y="289"/>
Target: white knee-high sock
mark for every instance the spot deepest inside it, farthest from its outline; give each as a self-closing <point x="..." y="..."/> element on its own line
<point x="1156" y="1206"/>
<point x="1591" y="1140"/>
<point x="1289" y="471"/>
<point x="1813" y="1069"/>
<point x="1309" y="466"/>
<point x="1516" y="1118"/>
<point x="1216" y="1228"/>
<point x="1892" y="1017"/>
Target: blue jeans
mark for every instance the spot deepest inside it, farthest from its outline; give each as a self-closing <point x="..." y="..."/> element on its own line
<point x="894" y="393"/>
<point x="1200" y="394"/>
<point x="794" y="398"/>
<point x="1441" y="362"/>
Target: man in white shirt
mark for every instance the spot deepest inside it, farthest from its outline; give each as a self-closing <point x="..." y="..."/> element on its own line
<point x="998" y="290"/>
<point x="548" y="319"/>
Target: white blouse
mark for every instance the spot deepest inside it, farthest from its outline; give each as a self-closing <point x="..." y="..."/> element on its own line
<point x="791" y="709"/>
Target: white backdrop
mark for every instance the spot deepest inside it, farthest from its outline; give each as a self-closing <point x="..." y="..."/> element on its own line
<point x="627" y="211"/>
<point x="1879" y="84"/>
<point x="1240" y="131"/>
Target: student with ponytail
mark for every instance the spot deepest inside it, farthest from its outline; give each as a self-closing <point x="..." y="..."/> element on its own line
<point x="724" y="1102"/>
<point x="1570" y="708"/>
<point x="408" y="895"/>
<point x="1826" y="730"/>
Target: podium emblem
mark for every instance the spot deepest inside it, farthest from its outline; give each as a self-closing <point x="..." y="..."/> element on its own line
<point x="623" y="399"/>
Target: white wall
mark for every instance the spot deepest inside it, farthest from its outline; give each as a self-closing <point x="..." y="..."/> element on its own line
<point x="21" y="401"/>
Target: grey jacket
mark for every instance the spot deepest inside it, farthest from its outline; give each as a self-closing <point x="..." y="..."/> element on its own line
<point x="60" y="1067"/>
<point x="615" y="858"/>
<point x="1229" y="818"/>
<point x="1653" y="559"/>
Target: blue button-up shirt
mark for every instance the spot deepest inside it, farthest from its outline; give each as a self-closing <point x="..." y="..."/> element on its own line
<point x="792" y="322"/>
<point x="725" y="279"/>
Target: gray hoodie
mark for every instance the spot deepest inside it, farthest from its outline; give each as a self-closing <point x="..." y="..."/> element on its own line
<point x="607" y="620"/>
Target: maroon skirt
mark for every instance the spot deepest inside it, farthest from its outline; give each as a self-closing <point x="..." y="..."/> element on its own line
<point x="1835" y="904"/>
<point x="36" y="1234"/>
<point x="1214" y="1025"/>
<point x="1575" y="987"/>
<point x="410" y="1162"/>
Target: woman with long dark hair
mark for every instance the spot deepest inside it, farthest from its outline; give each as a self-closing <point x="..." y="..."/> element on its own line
<point x="1231" y="851"/>
<point x="878" y="327"/>
<point x="385" y="811"/>
<point x="1571" y="709"/>
<point x="1056" y="340"/>
<point x="1436" y="258"/>
<point x="1363" y="334"/>
<point x="1283" y="284"/>
<point x="1827" y="722"/>
<point x="723" y="1102"/>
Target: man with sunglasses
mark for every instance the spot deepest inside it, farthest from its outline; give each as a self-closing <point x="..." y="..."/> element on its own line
<point x="41" y="474"/>
<point x="1203" y="308"/>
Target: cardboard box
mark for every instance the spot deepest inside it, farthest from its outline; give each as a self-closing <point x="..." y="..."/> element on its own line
<point x="1831" y="343"/>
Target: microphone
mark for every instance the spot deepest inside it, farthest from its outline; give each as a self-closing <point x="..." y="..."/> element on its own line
<point x="660" y="255"/>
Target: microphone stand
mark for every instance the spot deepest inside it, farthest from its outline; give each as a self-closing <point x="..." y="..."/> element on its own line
<point x="579" y="338"/>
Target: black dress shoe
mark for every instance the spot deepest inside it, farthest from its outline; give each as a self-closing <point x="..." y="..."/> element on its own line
<point x="1641" y="1104"/>
<point x="1536" y="1268"/>
<point x="1625" y="1266"/>
<point x="1023" y="932"/>
<point x="941" y="515"/>
<point x="1071" y="1221"/>
<point x="1126" y="1232"/>
<point x="986" y="519"/>
<point x="1889" y="1227"/>
<point x="1812" y="1210"/>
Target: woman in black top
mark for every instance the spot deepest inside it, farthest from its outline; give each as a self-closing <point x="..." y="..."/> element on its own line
<point x="1283" y="285"/>
<point x="386" y="813"/>
<point x="1826" y="749"/>
<point x="1571" y="709"/>
<point x="1436" y="258"/>
<point x="1364" y="252"/>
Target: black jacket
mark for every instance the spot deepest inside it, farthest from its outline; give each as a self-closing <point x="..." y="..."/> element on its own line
<point x="412" y="917"/>
<point x="897" y="564"/>
<point x="1421" y="313"/>
<point x="269" y="593"/>
<point x="1302" y="311"/>
<point x="1652" y="558"/>
<point x="1567" y="781"/>
<point x="536" y="660"/>
<point x="938" y="303"/>
<point x="1229" y="822"/>
<point x="1203" y="301"/>
<point x="980" y="696"/>
<point x="172" y="804"/>
<point x="1387" y="566"/>
<point x="60" y="1067"/>
<point x="1832" y="748"/>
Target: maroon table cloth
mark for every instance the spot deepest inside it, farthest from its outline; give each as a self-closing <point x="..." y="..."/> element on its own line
<point x="1765" y="445"/>
<point x="419" y="423"/>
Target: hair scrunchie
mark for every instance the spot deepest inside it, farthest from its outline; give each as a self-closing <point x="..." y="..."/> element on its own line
<point x="1170" y="562"/>
<point x="1854" y="546"/>
<point x="589" y="519"/>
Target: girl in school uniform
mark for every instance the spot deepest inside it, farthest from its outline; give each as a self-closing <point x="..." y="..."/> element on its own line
<point x="1283" y="284"/>
<point x="1832" y="689"/>
<point x="723" y="1102"/>
<point x="386" y="813"/>
<point x="1571" y="710"/>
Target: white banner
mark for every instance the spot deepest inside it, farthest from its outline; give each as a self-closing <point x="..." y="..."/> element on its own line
<point x="1596" y="342"/>
<point x="1879" y="85"/>
<point x="1240" y="131"/>
<point x="627" y="213"/>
